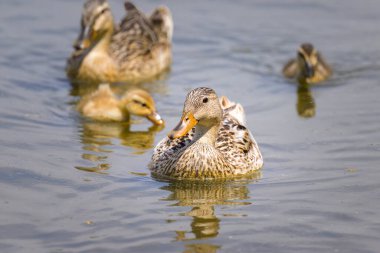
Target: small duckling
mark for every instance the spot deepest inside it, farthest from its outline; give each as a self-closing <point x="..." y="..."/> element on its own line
<point x="103" y="105"/>
<point x="309" y="66"/>
<point x="136" y="50"/>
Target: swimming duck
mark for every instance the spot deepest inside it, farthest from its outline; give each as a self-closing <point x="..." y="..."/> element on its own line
<point x="103" y="105"/>
<point x="208" y="142"/>
<point x="309" y="66"/>
<point x="136" y="50"/>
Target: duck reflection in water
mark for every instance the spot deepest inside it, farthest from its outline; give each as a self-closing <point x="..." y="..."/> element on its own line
<point x="202" y="197"/>
<point x="98" y="140"/>
<point x="305" y="101"/>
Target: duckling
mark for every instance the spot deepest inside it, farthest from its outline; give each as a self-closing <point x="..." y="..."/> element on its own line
<point x="208" y="142"/>
<point x="136" y="50"/>
<point x="309" y="66"/>
<point x="103" y="105"/>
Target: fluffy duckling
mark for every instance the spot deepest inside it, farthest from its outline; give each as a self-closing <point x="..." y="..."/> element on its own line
<point x="309" y="66"/>
<point x="137" y="50"/>
<point x="103" y="105"/>
<point x="208" y="142"/>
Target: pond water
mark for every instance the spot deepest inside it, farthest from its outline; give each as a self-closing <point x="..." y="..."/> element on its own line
<point x="70" y="185"/>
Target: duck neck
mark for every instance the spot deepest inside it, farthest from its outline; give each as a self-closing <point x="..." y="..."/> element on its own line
<point x="104" y="43"/>
<point x="207" y="133"/>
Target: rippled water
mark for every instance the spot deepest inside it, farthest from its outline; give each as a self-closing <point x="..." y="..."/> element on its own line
<point x="71" y="185"/>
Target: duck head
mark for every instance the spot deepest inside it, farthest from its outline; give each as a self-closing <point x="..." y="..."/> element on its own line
<point x="202" y="108"/>
<point x="308" y="59"/>
<point x="139" y="102"/>
<point x="96" y="23"/>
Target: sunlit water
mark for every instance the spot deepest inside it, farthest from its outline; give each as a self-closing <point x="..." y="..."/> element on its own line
<point x="72" y="185"/>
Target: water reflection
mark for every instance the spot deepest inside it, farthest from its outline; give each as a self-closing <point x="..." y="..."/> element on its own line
<point x="201" y="197"/>
<point x="305" y="101"/>
<point x="201" y="248"/>
<point x="98" y="138"/>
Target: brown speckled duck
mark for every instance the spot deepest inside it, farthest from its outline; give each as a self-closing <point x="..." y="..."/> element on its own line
<point x="211" y="141"/>
<point x="104" y="105"/>
<point x="136" y="50"/>
<point x="309" y="66"/>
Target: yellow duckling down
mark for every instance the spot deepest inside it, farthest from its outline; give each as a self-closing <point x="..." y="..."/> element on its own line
<point x="104" y="105"/>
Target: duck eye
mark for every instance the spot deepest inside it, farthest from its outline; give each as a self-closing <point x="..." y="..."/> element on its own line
<point x="104" y="11"/>
<point x="140" y="103"/>
<point x="205" y="100"/>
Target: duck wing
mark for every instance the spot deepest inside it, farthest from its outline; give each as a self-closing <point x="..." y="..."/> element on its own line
<point x="290" y="69"/>
<point x="323" y="68"/>
<point x="135" y="35"/>
<point x="238" y="146"/>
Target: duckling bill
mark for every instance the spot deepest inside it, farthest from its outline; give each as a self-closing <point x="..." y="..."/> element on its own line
<point x="309" y="66"/>
<point x="208" y="142"/>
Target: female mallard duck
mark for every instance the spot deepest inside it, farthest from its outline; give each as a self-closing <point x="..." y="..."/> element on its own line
<point x="309" y="66"/>
<point x="139" y="49"/>
<point x="103" y="105"/>
<point x="209" y="141"/>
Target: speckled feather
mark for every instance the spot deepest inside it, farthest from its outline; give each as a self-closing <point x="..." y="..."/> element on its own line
<point x="134" y="37"/>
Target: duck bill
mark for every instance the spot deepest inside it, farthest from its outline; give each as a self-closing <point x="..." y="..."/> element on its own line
<point x="309" y="70"/>
<point x="155" y="118"/>
<point x="187" y="122"/>
<point x="83" y="40"/>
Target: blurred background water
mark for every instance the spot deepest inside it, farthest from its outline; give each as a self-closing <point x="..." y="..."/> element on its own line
<point x="71" y="185"/>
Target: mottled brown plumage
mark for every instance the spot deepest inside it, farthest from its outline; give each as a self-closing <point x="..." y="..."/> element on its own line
<point x="219" y="146"/>
<point x="309" y="66"/>
<point x="137" y="49"/>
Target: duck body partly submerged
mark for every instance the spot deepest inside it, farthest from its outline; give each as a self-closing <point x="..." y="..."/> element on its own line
<point x="138" y="49"/>
<point x="104" y="105"/>
<point x="219" y="146"/>
<point x="308" y="67"/>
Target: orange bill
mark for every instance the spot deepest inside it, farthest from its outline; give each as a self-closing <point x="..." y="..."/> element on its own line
<point x="184" y="126"/>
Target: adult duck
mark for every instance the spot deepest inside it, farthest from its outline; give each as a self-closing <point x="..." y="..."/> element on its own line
<point x="138" y="49"/>
<point x="210" y="141"/>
